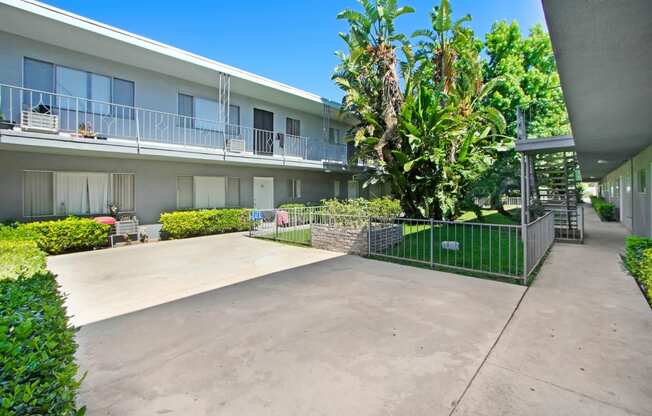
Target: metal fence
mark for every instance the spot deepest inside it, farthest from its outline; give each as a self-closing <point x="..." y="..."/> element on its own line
<point x="486" y="248"/>
<point x="500" y="250"/>
<point x="569" y="224"/>
<point x="539" y="237"/>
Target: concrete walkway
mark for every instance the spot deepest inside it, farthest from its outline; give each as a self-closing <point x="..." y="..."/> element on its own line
<point x="580" y="342"/>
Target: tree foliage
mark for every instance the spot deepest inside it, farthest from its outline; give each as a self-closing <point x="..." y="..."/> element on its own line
<point x="424" y="121"/>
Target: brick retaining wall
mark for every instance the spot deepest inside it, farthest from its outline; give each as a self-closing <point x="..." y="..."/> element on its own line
<point x="354" y="240"/>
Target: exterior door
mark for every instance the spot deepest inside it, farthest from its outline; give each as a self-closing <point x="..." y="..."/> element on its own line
<point x="263" y="193"/>
<point x="263" y="132"/>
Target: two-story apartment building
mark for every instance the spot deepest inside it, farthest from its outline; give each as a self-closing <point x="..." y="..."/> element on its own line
<point x="93" y="116"/>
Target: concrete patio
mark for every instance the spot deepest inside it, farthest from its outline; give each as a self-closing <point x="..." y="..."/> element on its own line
<point x="344" y="335"/>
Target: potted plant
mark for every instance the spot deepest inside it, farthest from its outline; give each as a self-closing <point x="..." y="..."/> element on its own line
<point x="86" y="130"/>
<point x="5" y="124"/>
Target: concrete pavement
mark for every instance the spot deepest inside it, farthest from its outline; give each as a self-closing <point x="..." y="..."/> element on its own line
<point x="344" y="336"/>
<point x="580" y="342"/>
<point x="106" y="283"/>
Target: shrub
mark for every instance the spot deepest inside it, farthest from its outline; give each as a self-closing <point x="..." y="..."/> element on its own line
<point x="37" y="347"/>
<point x="646" y="273"/>
<point x="20" y="258"/>
<point x="183" y="224"/>
<point x="291" y="205"/>
<point x="70" y="234"/>
<point x="379" y="207"/>
<point x="605" y="210"/>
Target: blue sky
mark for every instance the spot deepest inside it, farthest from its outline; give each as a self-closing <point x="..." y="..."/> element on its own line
<point x="291" y="41"/>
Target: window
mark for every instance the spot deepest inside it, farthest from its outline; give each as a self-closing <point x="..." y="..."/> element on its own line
<point x="81" y="193"/>
<point x="38" y="75"/>
<point x="233" y="193"/>
<point x="353" y="189"/>
<point x="295" y="188"/>
<point x="44" y="76"/>
<point x="642" y="181"/>
<point x="292" y="127"/>
<point x="73" y="83"/>
<point x="206" y="111"/>
<point x="124" y="94"/>
<point x="123" y="191"/>
<point x="209" y="192"/>
<point x="38" y="194"/>
<point x="234" y="114"/>
<point x="336" y="189"/>
<point x="334" y="135"/>
<point x="184" y="192"/>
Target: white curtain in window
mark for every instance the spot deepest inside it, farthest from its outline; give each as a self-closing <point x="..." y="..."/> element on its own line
<point x="209" y="192"/>
<point x="98" y="193"/>
<point x="37" y="194"/>
<point x="71" y="190"/>
<point x="123" y="191"/>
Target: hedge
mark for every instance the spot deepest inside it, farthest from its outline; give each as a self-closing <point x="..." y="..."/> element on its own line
<point x="378" y="207"/>
<point x="70" y="234"/>
<point x="638" y="259"/>
<point x="38" y="374"/>
<point x="605" y="210"/>
<point x="183" y="224"/>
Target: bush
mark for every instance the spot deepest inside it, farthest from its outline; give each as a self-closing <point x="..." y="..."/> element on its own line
<point x="379" y="207"/>
<point x="646" y="273"/>
<point x="605" y="210"/>
<point x="20" y="258"/>
<point x="37" y="348"/>
<point x="70" y="234"/>
<point x="183" y="224"/>
<point x="291" y="205"/>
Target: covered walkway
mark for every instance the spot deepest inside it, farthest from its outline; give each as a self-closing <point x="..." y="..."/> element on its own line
<point x="580" y="342"/>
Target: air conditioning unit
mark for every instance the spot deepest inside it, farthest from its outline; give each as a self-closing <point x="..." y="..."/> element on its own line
<point x="46" y="123"/>
<point x="236" y="145"/>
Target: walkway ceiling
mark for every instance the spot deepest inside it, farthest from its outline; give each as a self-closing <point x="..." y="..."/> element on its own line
<point x="604" y="56"/>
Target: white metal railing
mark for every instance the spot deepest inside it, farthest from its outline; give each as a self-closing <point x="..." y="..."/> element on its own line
<point x="569" y="223"/>
<point x="539" y="237"/>
<point x="99" y="119"/>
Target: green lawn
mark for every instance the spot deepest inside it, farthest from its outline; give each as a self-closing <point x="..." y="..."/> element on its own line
<point x="484" y="248"/>
<point x="296" y="236"/>
<point x="490" y="216"/>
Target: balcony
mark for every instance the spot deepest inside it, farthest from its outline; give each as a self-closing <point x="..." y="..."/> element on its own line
<point x="77" y="118"/>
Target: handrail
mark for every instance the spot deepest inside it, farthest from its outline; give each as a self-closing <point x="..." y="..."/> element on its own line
<point x="142" y="124"/>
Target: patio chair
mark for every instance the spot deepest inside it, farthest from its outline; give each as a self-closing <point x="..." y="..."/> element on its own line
<point x="125" y="228"/>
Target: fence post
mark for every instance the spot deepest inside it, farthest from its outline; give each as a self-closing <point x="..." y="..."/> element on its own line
<point x="432" y="242"/>
<point x="369" y="238"/>
<point x="275" y="225"/>
<point x="525" y="265"/>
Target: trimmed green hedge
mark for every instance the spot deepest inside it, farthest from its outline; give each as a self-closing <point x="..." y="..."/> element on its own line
<point x="38" y="374"/>
<point x="291" y="205"/>
<point x="378" y="207"/>
<point x="605" y="210"/>
<point x="70" y="234"/>
<point x="20" y="258"/>
<point x="183" y="224"/>
<point x="638" y="259"/>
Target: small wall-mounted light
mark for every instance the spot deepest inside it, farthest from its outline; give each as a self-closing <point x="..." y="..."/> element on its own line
<point x="602" y="161"/>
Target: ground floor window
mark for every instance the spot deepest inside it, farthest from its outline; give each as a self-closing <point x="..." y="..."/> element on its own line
<point x="336" y="189"/>
<point x="201" y="192"/>
<point x="353" y="189"/>
<point x="76" y="193"/>
<point x="38" y="193"/>
<point x="233" y="193"/>
<point x="295" y="188"/>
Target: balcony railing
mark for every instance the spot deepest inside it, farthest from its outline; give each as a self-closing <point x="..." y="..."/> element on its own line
<point x="84" y="117"/>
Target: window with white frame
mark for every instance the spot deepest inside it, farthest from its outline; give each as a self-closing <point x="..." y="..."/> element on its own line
<point x="642" y="181"/>
<point x="353" y="189"/>
<point x="336" y="189"/>
<point x="334" y="135"/>
<point x="38" y="193"/>
<point x="123" y="191"/>
<point x="295" y="188"/>
<point x="184" y="192"/>
<point x="47" y="193"/>
<point x="201" y="192"/>
<point x="204" y="113"/>
<point x="233" y="192"/>
<point x="76" y="83"/>
<point x="292" y="127"/>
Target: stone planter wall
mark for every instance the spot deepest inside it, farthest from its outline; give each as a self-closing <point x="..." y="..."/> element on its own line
<point x="354" y="240"/>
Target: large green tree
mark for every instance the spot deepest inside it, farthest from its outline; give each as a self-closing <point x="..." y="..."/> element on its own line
<point x="427" y="126"/>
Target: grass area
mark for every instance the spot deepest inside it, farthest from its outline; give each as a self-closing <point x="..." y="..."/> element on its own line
<point x="295" y="236"/>
<point x="485" y="248"/>
<point x="490" y="216"/>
